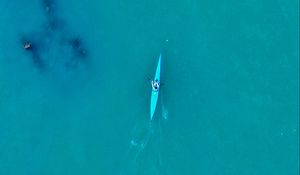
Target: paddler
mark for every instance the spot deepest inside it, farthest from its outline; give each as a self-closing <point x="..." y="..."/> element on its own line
<point x="155" y="85"/>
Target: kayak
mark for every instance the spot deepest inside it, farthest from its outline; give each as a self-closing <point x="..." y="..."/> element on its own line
<point x="154" y="93"/>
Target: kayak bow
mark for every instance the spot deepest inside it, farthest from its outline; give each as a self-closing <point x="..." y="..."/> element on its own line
<point x="154" y="93"/>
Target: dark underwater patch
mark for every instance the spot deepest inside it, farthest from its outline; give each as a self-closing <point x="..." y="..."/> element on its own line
<point x="48" y="6"/>
<point x="50" y="47"/>
<point x="78" y="47"/>
<point x="79" y="53"/>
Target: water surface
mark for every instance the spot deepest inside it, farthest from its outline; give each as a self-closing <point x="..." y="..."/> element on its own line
<point x="229" y="104"/>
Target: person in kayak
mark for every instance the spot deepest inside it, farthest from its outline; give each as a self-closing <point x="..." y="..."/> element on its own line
<point x="155" y="85"/>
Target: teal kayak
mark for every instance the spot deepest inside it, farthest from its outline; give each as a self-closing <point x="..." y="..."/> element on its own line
<point x="155" y="89"/>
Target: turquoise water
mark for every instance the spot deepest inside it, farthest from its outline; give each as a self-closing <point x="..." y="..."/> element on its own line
<point x="79" y="101"/>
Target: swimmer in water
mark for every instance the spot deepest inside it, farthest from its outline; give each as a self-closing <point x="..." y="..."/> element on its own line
<point x="27" y="45"/>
